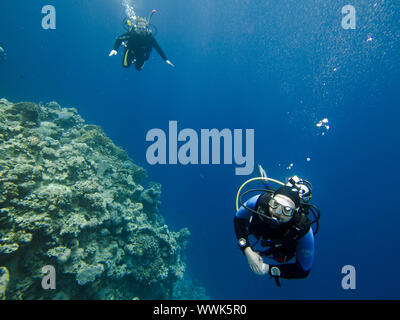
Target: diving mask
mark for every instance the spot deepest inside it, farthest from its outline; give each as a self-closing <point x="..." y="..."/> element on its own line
<point x="280" y="206"/>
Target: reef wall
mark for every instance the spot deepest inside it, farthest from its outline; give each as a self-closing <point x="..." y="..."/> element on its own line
<point x="71" y="199"/>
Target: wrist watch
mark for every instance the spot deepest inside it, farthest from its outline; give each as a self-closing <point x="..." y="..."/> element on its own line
<point x="242" y="242"/>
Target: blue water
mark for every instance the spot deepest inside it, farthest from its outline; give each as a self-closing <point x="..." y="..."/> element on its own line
<point x="277" y="67"/>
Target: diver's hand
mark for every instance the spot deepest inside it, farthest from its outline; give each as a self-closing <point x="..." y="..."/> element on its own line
<point x="255" y="262"/>
<point x="113" y="53"/>
<point x="170" y="63"/>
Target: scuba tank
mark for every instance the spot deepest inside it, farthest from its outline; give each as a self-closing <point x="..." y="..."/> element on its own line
<point x="140" y="25"/>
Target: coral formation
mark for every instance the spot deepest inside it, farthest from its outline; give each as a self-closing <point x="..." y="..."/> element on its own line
<point x="4" y="278"/>
<point x="188" y="289"/>
<point x="72" y="199"/>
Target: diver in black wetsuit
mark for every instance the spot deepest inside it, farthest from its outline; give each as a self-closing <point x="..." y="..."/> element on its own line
<point x="138" y="43"/>
<point x="279" y="220"/>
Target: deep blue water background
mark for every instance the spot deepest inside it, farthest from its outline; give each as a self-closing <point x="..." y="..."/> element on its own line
<point x="267" y="66"/>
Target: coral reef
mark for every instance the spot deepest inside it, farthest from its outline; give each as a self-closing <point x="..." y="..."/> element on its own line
<point x="188" y="289"/>
<point x="4" y="278"/>
<point x="72" y="199"/>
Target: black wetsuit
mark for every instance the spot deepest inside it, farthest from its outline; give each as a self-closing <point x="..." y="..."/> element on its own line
<point x="138" y="47"/>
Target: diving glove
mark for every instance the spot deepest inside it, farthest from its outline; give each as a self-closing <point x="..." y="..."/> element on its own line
<point x="255" y="262"/>
<point x="170" y="63"/>
<point x="265" y="268"/>
<point x="113" y="53"/>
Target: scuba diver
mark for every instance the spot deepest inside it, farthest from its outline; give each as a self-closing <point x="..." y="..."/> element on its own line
<point x="138" y="42"/>
<point x="278" y="219"/>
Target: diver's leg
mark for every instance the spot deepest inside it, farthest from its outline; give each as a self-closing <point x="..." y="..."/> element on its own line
<point x="144" y="55"/>
<point x="129" y="57"/>
<point x="139" y="64"/>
